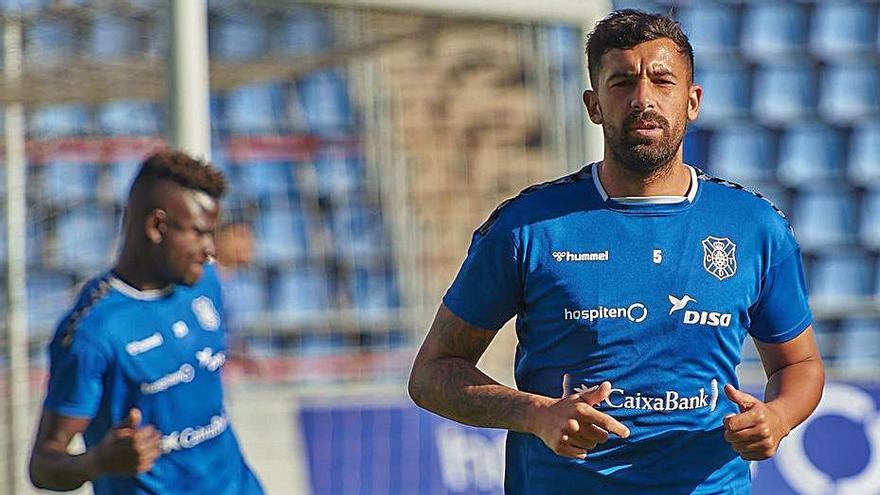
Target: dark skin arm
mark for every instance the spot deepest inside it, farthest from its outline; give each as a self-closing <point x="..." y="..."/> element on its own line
<point x="127" y="449"/>
<point x="445" y="380"/>
<point x="795" y="378"/>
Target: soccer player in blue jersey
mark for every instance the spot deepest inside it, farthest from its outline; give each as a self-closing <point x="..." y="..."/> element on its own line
<point x="135" y="365"/>
<point x="634" y="282"/>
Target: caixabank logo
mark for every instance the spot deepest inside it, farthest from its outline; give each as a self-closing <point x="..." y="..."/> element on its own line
<point x="836" y="451"/>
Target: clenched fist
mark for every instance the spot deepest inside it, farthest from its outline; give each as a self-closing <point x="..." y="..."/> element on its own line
<point x="128" y="448"/>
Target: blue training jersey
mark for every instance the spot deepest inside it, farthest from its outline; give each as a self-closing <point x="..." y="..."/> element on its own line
<point x="162" y="352"/>
<point x="654" y="297"/>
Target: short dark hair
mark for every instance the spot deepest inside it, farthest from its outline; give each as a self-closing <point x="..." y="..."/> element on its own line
<point x="624" y="29"/>
<point x="182" y="169"/>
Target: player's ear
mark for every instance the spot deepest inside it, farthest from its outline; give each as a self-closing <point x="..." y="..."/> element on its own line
<point x="591" y="101"/>
<point x="154" y="225"/>
<point x="695" y="96"/>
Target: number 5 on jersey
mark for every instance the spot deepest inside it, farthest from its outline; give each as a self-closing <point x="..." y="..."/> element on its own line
<point x="658" y="256"/>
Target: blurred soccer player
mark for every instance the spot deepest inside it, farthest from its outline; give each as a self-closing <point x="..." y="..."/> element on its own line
<point x="634" y="282"/>
<point x="135" y="365"/>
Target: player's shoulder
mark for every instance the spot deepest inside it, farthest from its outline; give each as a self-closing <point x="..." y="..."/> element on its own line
<point x="537" y="201"/>
<point x="96" y="304"/>
<point x="742" y="201"/>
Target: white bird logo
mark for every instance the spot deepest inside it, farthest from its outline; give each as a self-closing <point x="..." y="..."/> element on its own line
<point x="678" y="304"/>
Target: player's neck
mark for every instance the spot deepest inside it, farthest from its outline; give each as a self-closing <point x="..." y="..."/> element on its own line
<point x="673" y="179"/>
<point x="132" y="269"/>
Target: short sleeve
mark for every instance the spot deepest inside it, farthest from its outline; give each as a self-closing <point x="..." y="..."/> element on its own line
<point x="782" y="311"/>
<point x="76" y="377"/>
<point x="487" y="290"/>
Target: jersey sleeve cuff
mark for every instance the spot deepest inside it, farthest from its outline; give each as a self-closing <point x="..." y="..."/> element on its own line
<point x="460" y="309"/>
<point x="790" y="334"/>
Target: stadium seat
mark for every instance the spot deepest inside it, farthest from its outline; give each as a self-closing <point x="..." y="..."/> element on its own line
<point x="837" y="276"/>
<point x="49" y="41"/>
<point x="373" y="290"/>
<point x="783" y="94"/>
<point x="297" y="293"/>
<point x="810" y="153"/>
<point x="842" y="29"/>
<point x="238" y="35"/>
<point x="726" y="93"/>
<point x="259" y="180"/>
<point x="339" y="173"/>
<point x="60" y="121"/>
<point x="281" y="235"/>
<point x="246" y="297"/>
<point x="129" y="118"/>
<point x="859" y="346"/>
<point x="85" y="240"/>
<point x="256" y="108"/>
<point x="711" y="27"/>
<point x="323" y="97"/>
<point x="113" y="36"/>
<point x="773" y="30"/>
<point x="358" y="232"/>
<point x="869" y="224"/>
<point x="850" y="94"/>
<point x="66" y="182"/>
<point x="823" y="218"/>
<point x="742" y="154"/>
<point x="121" y="176"/>
<point x="302" y="31"/>
<point x="49" y="296"/>
<point x="864" y="154"/>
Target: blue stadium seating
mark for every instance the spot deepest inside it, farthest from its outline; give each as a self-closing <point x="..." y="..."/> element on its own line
<point x="783" y="94"/>
<point x="339" y="174"/>
<point x="742" y="154"/>
<point x="836" y="276"/>
<point x="850" y="93"/>
<point x="49" y="41"/>
<point x="85" y="239"/>
<point x="869" y="225"/>
<point x="63" y="182"/>
<point x="859" y="346"/>
<point x="49" y="295"/>
<point x="129" y="118"/>
<point x="323" y="97"/>
<point x="113" y="36"/>
<point x="358" y="233"/>
<point x="810" y="153"/>
<point x="773" y="30"/>
<point x="259" y="180"/>
<point x="238" y="36"/>
<point x="842" y="28"/>
<point x="711" y="27"/>
<point x="373" y="290"/>
<point x="60" y="121"/>
<point x="726" y="93"/>
<point x="281" y="235"/>
<point x="864" y="154"/>
<point x="33" y="244"/>
<point x="121" y="175"/>
<point x="302" y="31"/>
<point x="245" y="297"/>
<point x="297" y="293"/>
<point x="256" y="108"/>
<point x="824" y="218"/>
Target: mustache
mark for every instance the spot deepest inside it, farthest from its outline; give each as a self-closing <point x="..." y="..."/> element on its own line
<point x="647" y="117"/>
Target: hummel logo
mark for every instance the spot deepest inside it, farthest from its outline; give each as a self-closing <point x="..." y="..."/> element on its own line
<point x="679" y="304"/>
<point x="570" y="256"/>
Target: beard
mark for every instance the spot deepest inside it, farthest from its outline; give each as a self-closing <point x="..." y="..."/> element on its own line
<point x="644" y="156"/>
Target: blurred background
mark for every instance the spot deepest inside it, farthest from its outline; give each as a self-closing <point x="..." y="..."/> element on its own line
<point x="364" y="141"/>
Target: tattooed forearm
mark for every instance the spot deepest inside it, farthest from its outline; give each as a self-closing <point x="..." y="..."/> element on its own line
<point x="445" y="378"/>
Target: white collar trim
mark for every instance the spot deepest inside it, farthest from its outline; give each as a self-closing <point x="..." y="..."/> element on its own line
<point x="143" y="295"/>
<point x="692" y="191"/>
